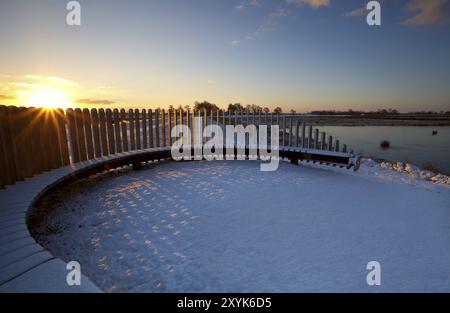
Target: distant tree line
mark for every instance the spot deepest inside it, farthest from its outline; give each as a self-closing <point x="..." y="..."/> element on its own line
<point x="208" y="106"/>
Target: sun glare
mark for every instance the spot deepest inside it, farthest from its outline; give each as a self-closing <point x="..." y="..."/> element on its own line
<point x="49" y="98"/>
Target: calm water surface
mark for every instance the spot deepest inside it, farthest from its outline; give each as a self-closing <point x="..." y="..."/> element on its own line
<point x="414" y="144"/>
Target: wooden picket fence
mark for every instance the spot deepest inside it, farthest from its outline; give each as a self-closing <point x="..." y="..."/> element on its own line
<point x="35" y="140"/>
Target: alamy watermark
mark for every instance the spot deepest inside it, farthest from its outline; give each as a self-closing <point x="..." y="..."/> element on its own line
<point x="212" y="142"/>
<point x="73" y="278"/>
<point x="373" y="278"/>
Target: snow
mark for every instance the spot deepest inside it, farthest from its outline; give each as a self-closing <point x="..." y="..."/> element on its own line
<point x="225" y="226"/>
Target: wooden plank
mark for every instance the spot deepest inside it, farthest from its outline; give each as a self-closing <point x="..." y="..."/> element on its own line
<point x="124" y="129"/>
<point x="205" y="124"/>
<point x="28" y="142"/>
<point x="169" y="123"/>
<point x="150" y="128"/>
<point x="62" y="137"/>
<point x="87" y="121"/>
<point x="144" y="129"/>
<point x="163" y="131"/>
<point x="4" y="176"/>
<point x="137" y="125"/>
<point x="310" y="139"/>
<point x="193" y="133"/>
<point x="316" y="138"/>
<point x="103" y="136"/>
<point x="290" y="132"/>
<point x="217" y="125"/>
<point x="304" y="135"/>
<point x="16" y="130"/>
<point x="110" y="132"/>
<point x="39" y="150"/>
<point x="323" y="141"/>
<point x="188" y="125"/>
<point x="80" y="134"/>
<point x="132" y="131"/>
<point x="7" y="153"/>
<point x="70" y="115"/>
<point x="96" y="132"/>
<point x="45" y="138"/>
<point x="157" y="128"/>
<point x="117" y="134"/>
<point x="52" y="124"/>
<point x="117" y="130"/>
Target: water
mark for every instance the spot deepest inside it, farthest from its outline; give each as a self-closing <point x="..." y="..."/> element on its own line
<point x="413" y="144"/>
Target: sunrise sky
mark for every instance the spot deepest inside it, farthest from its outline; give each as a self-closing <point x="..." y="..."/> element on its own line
<point x="297" y="54"/>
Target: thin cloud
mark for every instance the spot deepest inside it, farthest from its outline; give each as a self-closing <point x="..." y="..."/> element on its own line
<point x="241" y="6"/>
<point x="270" y="23"/>
<point x="427" y="12"/>
<point x="51" y="79"/>
<point x="212" y="81"/>
<point x="357" y="12"/>
<point x="8" y="97"/>
<point x="95" y="101"/>
<point x="312" y="3"/>
<point x="234" y="43"/>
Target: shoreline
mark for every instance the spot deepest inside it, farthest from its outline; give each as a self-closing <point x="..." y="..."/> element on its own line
<point x="358" y="121"/>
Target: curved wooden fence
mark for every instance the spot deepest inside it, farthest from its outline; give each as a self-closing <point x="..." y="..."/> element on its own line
<point x="35" y="140"/>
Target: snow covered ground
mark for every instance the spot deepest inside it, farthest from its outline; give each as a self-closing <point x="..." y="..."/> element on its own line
<point x="226" y="226"/>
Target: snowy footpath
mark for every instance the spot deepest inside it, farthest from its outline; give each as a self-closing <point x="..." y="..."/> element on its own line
<point x="228" y="227"/>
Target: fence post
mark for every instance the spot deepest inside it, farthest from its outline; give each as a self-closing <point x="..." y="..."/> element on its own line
<point x="157" y="127"/>
<point x="116" y="117"/>
<point x="80" y="134"/>
<point x="144" y="129"/>
<point x="96" y="132"/>
<point x="137" y="125"/>
<point x="28" y="142"/>
<point x="163" y="121"/>
<point x="62" y="137"/>
<point x="10" y="164"/>
<point x="110" y="129"/>
<point x="330" y="143"/>
<point x="169" y="124"/>
<point x="310" y="139"/>
<point x="150" y="128"/>
<point x="132" y="132"/>
<point x="303" y="135"/>
<point x="88" y="130"/>
<point x="72" y="134"/>
<point x="323" y="141"/>
<point x="290" y="132"/>
<point x="316" y="138"/>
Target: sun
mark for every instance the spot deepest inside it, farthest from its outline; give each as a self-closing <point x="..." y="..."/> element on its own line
<point x="49" y="98"/>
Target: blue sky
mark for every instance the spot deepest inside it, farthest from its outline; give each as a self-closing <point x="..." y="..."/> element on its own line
<point x="298" y="54"/>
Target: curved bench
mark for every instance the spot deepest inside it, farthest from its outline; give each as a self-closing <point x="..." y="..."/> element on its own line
<point x="25" y="266"/>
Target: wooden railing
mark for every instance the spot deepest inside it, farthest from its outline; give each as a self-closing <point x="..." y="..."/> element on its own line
<point x="35" y="140"/>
